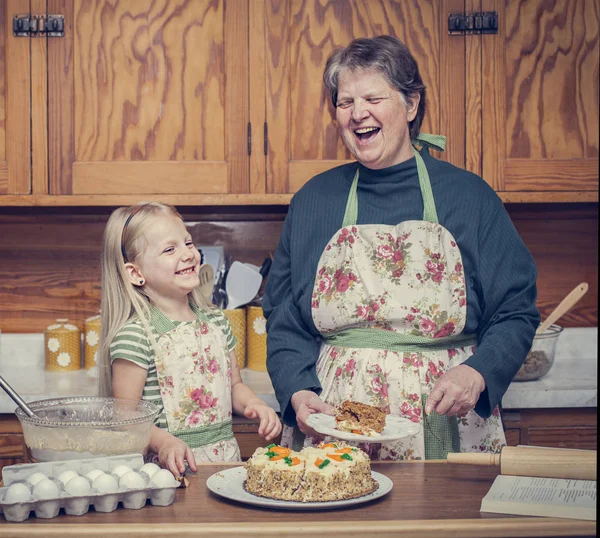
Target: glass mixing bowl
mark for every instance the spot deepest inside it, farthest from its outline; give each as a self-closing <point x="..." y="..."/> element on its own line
<point x="540" y="358"/>
<point x="86" y="427"/>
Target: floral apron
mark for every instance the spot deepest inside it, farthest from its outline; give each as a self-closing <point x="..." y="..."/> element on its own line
<point x="194" y="375"/>
<point x="390" y="302"/>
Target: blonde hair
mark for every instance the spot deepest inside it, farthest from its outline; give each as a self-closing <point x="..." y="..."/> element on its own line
<point x="125" y="241"/>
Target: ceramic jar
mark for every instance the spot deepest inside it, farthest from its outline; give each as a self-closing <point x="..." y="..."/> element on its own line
<point x="237" y="320"/>
<point x="256" y="326"/>
<point x="62" y="345"/>
<point x="91" y="341"/>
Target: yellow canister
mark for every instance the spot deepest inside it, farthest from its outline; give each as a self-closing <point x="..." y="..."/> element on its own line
<point x="237" y="320"/>
<point x="62" y="344"/>
<point x="257" y="339"/>
<point x="91" y="339"/>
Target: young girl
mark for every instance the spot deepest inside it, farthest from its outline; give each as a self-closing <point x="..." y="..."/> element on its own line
<point x="162" y="342"/>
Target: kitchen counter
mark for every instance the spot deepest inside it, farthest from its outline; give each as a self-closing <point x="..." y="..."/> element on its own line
<point x="571" y="383"/>
<point x="429" y="499"/>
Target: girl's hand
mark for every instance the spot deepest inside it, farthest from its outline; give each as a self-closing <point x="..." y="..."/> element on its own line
<point x="173" y="453"/>
<point x="270" y="425"/>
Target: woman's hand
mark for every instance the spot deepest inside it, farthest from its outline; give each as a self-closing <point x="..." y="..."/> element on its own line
<point x="305" y="403"/>
<point x="172" y="452"/>
<point x="456" y="392"/>
<point x="270" y="425"/>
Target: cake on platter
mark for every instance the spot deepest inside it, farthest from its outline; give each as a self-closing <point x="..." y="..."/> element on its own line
<point x="359" y="418"/>
<point x="329" y="472"/>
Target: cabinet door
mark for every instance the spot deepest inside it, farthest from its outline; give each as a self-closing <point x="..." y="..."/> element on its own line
<point x="15" y="95"/>
<point x="540" y="96"/>
<point x="297" y="36"/>
<point x="148" y="97"/>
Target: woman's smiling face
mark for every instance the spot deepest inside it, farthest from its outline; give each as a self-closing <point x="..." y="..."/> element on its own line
<point x="373" y="118"/>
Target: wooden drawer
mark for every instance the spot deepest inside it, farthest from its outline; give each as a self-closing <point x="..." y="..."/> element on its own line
<point x="560" y="428"/>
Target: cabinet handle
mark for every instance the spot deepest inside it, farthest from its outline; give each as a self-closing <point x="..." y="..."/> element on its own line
<point x="266" y="137"/>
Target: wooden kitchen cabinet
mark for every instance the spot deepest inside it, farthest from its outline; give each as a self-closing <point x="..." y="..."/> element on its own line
<point x="220" y="102"/>
<point x="536" y="100"/>
<point x="15" y="103"/>
<point x="559" y="428"/>
<point x="297" y="37"/>
<point x="148" y="98"/>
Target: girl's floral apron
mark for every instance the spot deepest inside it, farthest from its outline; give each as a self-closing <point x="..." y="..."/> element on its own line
<point x="194" y="375"/>
<point x="390" y="302"/>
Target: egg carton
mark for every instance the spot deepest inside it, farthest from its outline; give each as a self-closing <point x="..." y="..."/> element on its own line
<point x="77" y="505"/>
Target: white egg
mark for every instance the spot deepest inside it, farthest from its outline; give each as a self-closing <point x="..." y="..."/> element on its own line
<point x="17" y="493"/>
<point x="34" y="478"/>
<point x="78" y="486"/>
<point x="163" y="479"/>
<point x="149" y="469"/>
<point x="46" y="489"/>
<point x="120" y="470"/>
<point x="66" y="476"/>
<point x="106" y="483"/>
<point x="132" y="480"/>
<point x="94" y="473"/>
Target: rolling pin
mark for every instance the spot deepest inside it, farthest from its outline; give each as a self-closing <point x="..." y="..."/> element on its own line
<point x="535" y="461"/>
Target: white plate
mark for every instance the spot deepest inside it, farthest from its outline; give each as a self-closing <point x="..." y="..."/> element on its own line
<point x="395" y="428"/>
<point x="229" y="484"/>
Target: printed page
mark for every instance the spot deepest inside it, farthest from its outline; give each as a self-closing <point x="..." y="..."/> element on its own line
<point x="553" y="497"/>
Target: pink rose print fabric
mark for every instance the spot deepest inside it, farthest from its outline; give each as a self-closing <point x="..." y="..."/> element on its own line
<point x="194" y="376"/>
<point x="407" y="279"/>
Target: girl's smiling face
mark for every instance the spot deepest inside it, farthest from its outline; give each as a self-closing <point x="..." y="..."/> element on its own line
<point x="169" y="263"/>
<point x="373" y="118"/>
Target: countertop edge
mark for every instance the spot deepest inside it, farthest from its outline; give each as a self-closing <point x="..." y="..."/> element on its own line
<point x="493" y="527"/>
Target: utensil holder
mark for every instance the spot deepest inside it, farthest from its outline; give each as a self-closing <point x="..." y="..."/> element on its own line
<point x="62" y="345"/>
<point x="237" y="320"/>
<point x="257" y="339"/>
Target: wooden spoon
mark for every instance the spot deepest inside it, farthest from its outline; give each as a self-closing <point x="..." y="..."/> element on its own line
<point x="206" y="276"/>
<point x="565" y="305"/>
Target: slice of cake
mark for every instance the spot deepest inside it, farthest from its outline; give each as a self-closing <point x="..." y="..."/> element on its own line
<point x="360" y="418"/>
<point x="330" y="472"/>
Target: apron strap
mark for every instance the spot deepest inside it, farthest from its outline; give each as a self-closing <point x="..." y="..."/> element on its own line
<point x="206" y="435"/>
<point x="351" y="213"/>
<point x="363" y="338"/>
<point x="433" y="141"/>
<point x="425" y="140"/>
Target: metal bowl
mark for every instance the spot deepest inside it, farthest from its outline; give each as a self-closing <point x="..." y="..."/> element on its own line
<point x="540" y="358"/>
<point x="86" y="427"/>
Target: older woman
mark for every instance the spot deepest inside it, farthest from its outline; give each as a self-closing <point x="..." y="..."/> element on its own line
<point x="399" y="280"/>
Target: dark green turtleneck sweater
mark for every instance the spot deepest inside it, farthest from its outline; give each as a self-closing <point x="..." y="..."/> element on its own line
<point x="500" y="272"/>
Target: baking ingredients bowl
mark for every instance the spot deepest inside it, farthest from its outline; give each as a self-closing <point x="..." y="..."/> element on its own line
<point x="86" y="427"/>
<point x="540" y="358"/>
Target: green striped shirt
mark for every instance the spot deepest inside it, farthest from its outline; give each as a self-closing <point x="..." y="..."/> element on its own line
<point x="133" y="344"/>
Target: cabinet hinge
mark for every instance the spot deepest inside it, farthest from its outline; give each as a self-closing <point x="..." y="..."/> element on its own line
<point x="485" y="22"/>
<point x="266" y="138"/>
<point x="38" y="25"/>
<point x="249" y="138"/>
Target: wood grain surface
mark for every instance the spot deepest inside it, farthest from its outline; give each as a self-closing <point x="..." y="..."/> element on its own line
<point x="428" y="499"/>
<point x="540" y="95"/>
<point x="49" y="257"/>
<point x="145" y="82"/>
